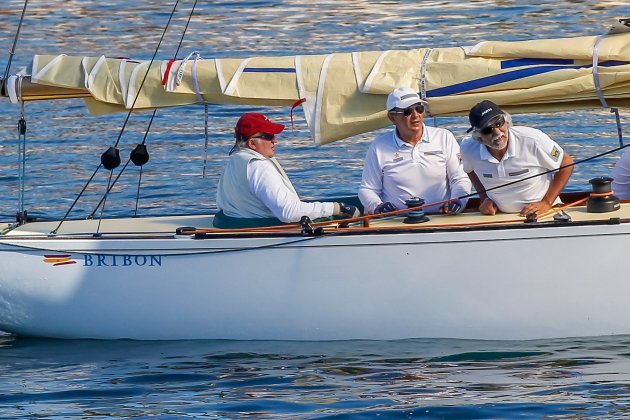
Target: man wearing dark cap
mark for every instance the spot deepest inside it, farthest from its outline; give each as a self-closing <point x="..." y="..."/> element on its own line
<point x="413" y="160"/>
<point x="498" y="153"/>
<point x="254" y="190"/>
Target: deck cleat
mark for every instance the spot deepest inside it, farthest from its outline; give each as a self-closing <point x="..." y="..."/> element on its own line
<point x="561" y="217"/>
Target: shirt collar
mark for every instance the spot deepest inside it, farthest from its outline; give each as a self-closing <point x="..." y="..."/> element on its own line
<point x="400" y="143"/>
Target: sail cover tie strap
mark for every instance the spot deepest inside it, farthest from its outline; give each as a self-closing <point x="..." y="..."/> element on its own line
<point x="194" y="56"/>
<point x="180" y="73"/>
<point x="195" y="81"/>
<point x="598" y="88"/>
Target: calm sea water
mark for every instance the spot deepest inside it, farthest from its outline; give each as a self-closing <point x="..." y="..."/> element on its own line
<point x="587" y="377"/>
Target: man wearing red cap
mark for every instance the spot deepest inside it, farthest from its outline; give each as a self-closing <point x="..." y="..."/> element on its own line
<point x="254" y="190"/>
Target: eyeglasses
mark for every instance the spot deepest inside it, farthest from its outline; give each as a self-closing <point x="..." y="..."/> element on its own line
<point x="490" y="128"/>
<point x="407" y="111"/>
<point x="264" y="136"/>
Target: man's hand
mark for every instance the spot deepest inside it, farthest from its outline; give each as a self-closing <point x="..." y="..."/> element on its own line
<point x="385" y="207"/>
<point x="488" y="207"/>
<point x="346" y="211"/>
<point x="453" y="207"/>
<point x="537" y="207"/>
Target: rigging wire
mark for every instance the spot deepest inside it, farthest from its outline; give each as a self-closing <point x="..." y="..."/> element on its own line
<point x="12" y="52"/>
<point x="21" y="216"/>
<point x="130" y="110"/>
<point x="205" y="145"/>
<point x="146" y="74"/>
<point x="124" y="123"/>
<point x="54" y="231"/>
<point x="109" y="188"/>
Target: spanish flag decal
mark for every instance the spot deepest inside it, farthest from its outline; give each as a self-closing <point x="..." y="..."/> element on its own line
<point x="59" y="259"/>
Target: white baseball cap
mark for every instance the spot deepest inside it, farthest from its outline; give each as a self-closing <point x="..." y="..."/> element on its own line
<point x="403" y="97"/>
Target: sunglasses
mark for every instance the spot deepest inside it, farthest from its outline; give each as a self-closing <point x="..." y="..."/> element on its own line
<point x="407" y="111"/>
<point x="264" y="136"/>
<point x="490" y="128"/>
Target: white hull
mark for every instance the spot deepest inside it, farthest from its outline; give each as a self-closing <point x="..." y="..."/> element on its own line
<point x="487" y="283"/>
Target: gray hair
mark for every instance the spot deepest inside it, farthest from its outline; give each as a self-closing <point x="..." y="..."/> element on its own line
<point x="240" y="144"/>
<point x="476" y="132"/>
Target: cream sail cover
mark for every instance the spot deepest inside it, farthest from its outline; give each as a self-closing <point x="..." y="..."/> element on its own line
<point x="345" y="93"/>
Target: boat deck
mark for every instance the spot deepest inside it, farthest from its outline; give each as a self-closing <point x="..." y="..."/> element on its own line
<point x="577" y="214"/>
<point x="160" y="225"/>
<point x="167" y="225"/>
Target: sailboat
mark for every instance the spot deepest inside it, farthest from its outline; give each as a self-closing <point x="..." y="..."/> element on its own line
<point x="404" y="275"/>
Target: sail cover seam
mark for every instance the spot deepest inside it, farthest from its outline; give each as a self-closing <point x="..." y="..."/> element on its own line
<point x="598" y="89"/>
<point x="423" y="80"/>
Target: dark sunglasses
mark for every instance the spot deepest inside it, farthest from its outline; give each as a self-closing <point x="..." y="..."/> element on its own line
<point x="407" y="111"/>
<point x="489" y="128"/>
<point x="264" y="136"/>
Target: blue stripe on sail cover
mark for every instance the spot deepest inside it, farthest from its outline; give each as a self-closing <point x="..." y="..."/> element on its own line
<point x="508" y="77"/>
<point x="519" y="62"/>
<point x="268" y="70"/>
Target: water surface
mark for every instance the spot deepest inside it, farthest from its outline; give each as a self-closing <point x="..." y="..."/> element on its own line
<point x="578" y="378"/>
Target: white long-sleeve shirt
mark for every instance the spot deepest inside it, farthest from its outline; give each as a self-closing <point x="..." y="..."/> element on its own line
<point x="265" y="182"/>
<point x="253" y="186"/>
<point x="395" y="171"/>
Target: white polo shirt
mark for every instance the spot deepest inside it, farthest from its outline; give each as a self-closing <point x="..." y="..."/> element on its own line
<point x="395" y="171"/>
<point x="621" y="176"/>
<point x="529" y="152"/>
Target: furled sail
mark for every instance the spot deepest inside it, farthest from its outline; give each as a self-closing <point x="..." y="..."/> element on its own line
<point x="344" y="94"/>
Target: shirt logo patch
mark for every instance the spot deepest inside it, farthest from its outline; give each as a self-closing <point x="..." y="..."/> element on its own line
<point x="397" y="157"/>
<point x="555" y="153"/>
<point x="487" y="175"/>
<point x="432" y="152"/>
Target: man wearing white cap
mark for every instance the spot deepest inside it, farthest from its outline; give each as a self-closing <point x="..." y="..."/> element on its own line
<point x="255" y="191"/>
<point x="514" y="169"/>
<point x="412" y="160"/>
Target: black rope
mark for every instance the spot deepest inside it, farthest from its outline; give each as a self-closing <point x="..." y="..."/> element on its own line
<point x="12" y="52"/>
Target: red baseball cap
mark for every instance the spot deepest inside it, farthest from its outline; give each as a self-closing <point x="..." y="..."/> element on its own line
<point x="251" y="123"/>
